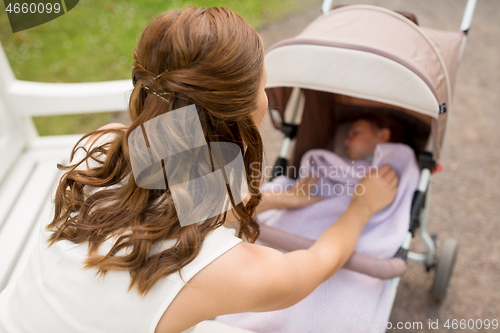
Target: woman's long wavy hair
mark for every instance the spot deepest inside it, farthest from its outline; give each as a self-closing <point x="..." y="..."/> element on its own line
<point x="214" y="59"/>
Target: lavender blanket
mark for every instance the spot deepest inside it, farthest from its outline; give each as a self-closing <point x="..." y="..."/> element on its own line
<point x="348" y="301"/>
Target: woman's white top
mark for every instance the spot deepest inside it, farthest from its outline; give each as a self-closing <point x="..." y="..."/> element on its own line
<point x="55" y="294"/>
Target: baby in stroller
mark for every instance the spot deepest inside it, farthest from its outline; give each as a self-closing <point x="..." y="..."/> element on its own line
<point x="363" y="135"/>
<point x="348" y="295"/>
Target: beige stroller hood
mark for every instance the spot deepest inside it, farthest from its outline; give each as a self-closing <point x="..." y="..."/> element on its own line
<point x="374" y="54"/>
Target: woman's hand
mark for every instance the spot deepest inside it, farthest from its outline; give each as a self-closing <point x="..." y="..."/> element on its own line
<point x="378" y="190"/>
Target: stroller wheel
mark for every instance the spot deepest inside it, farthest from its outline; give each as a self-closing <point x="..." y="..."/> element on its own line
<point x="444" y="268"/>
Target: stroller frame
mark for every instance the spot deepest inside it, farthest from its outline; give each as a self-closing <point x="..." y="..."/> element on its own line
<point x="419" y="211"/>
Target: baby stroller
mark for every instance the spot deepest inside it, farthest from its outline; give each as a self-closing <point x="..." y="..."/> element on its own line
<point x="361" y="59"/>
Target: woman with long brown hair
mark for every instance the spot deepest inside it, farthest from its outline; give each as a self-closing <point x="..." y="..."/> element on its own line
<point x="116" y="258"/>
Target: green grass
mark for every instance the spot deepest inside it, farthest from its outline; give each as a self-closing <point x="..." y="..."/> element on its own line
<point x="94" y="42"/>
<point x="72" y="124"/>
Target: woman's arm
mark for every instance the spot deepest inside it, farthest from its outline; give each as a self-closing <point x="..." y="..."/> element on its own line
<point x="304" y="270"/>
<point x="298" y="196"/>
<point x="265" y="279"/>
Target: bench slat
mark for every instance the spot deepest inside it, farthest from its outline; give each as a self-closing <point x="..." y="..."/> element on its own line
<point x="25" y="202"/>
<point x="44" y="218"/>
<point x="14" y="184"/>
<point x="24" y="213"/>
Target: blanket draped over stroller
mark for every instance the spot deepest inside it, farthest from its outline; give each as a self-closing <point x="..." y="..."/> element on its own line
<point x="348" y="301"/>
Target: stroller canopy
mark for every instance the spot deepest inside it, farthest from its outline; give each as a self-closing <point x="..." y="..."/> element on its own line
<point x="371" y="53"/>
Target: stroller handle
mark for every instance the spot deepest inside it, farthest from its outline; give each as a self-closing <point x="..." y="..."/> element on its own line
<point x="467" y="18"/>
<point x="464" y="26"/>
<point x="327" y="6"/>
<point x="466" y="21"/>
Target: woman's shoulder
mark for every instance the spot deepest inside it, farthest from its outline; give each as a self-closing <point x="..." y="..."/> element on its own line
<point x="245" y="278"/>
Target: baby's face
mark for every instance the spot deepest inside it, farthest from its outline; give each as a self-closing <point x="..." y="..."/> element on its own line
<point x="362" y="139"/>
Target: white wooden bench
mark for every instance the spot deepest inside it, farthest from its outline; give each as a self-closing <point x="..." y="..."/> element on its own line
<point x="28" y="162"/>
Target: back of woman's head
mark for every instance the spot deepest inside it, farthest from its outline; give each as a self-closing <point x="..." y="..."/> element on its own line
<point x="214" y="59"/>
<point x="209" y="57"/>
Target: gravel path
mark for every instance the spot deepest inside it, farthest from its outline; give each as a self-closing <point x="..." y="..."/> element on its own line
<point x="465" y="200"/>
